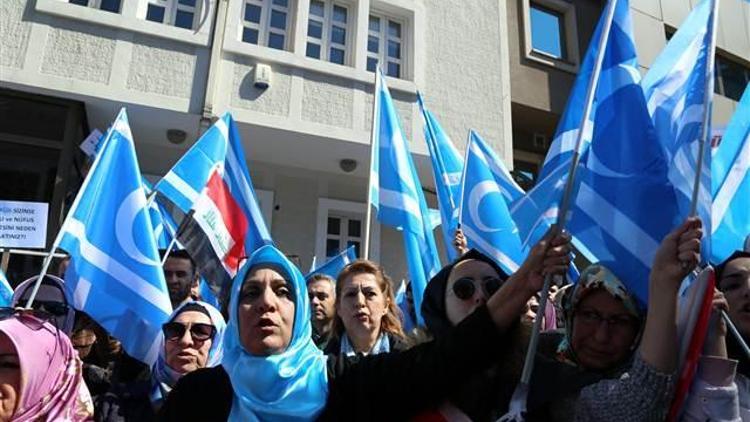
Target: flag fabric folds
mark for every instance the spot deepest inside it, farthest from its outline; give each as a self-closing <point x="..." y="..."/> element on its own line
<point x="6" y="292"/>
<point x="115" y="275"/>
<point x="447" y="167"/>
<point x="623" y="169"/>
<point x="333" y="266"/>
<point x="675" y="88"/>
<point x="161" y="220"/>
<point x="212" y="185"/>
<point x="485" y="218"/>
<point x="396" y="193"/>
<point x="730" y="189"/>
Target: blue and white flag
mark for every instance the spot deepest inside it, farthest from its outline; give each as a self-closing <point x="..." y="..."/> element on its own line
<point x="625" y="204"/>
<point x="335" y="264"/>
<point x="115" y="274"/>
<point x="730" y="177"/>
<point x="163" y="225"/>
<point x="485" y="218"/>
<point x="396" y="193"/>
<point x="447" y="166"/>
<point x="6" y="292"/>
<point x="402" y="301"/>
<point x="675" y="88"/>
<point x="207" y="295"/>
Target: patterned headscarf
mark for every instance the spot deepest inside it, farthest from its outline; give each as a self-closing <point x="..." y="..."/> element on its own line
<point x="52" y="289"/>
<point x="165" y="377"/>
<point x="291" y="385"/>
<point x="52" y="386"/>
<point x="594" y="277"/>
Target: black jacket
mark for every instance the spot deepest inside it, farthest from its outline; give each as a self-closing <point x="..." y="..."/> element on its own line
<point x="389" y="386"/>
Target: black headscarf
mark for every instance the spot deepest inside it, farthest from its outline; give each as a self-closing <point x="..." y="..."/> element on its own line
<point x="433" y="302"/>
<point x="734" y="350"/>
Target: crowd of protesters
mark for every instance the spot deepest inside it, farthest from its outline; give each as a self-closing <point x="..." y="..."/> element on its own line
<point x="290" y="348"/>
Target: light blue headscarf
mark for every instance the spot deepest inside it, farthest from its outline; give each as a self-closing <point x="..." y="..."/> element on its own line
<point x="290" y="386"/>
<point x="164" y="377"/>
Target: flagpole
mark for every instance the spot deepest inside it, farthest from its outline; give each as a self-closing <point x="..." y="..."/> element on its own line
<point x="71" y="211"/>
<point x="463" y="180"/>
<point x="518" y="401"/>
<point x="432" y="147"/>
<point x="179" y="230"/>
<point x="375" y="125"/>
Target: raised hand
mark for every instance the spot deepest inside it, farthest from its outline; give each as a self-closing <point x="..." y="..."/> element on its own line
<point x="677" y="255"/>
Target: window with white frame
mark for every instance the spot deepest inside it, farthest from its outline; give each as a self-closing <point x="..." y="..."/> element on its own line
<point x="266" y="22"/>
<point x="343" y="231"/>
<point x="179" y="13"/>
<point x="551" y="33"/>
<point x="328" y="32"/>
<point x="385" y="45"/>
<point x="106" y="5"/>
<point x="341" y="224"/>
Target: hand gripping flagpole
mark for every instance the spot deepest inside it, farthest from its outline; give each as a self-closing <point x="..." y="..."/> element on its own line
<point x="517" y="407"/>
<point x="373" y="134"/>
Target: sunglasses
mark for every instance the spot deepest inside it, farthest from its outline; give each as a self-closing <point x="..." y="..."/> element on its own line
<point x="198" y="332"/>
<point x="464" y="288"/>
<point x="54" y="308"/>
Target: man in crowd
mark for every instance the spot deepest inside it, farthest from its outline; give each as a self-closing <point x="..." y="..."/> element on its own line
<point x="182" y="277"/>
<point x="322" y="292"/>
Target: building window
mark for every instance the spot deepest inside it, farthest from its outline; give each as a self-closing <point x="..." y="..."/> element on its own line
<point x="327" y="32"/>
<point x="266" y="22"/>
<point x="385" y="42"/>
<point x="731" y="78"/>
<point x="343" y="232"/>
<point x="179" y="13"/>
<point x="547" y="31"/>
<point x="106" y="5"/>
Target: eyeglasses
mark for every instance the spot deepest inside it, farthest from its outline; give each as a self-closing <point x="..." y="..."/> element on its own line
<point x="52" y="307"/>
<point x="464" y="288"/>
<point x="198" y="332"/>
<point x="594" y="318"/>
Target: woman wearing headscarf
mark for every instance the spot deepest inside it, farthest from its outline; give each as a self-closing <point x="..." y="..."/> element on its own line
<point x="52" y="297"/>
<point x="40" y="372"/>
<point x="368" y="320"/>
<point x="610" y="365"/>
<point x="272" y="370"/>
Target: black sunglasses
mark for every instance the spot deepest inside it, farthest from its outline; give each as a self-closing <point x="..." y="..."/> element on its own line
<point x="198" y="331"/>
<point x="52" y="307"/>
<point x="464" y="288"/>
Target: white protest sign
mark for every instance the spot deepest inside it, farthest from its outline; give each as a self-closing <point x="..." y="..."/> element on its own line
<point x="23" y="224"/>
<point x="91" y="144"/>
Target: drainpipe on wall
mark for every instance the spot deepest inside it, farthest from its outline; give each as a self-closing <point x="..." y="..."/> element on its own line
<point x="214" y="65"/>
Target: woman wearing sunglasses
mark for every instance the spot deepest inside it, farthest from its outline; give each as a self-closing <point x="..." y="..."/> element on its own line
<point x="40" y="372"/>
<point x="192" y="340"/>
<point x="52" y="298"/>
<point x="272" y="370"/>
<point x="367" y="318"/>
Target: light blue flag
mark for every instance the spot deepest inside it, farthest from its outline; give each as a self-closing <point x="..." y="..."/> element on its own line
<point x="161" y="232"/>
<point x="625" y="204"/>
<point x="403" y="305"/>
<point x="396" y="193"/>
<point x="447" y="166"/>
<point x="485" y="218"/>
<point x="207" y="295"/>
<point x="675" y="88"/>
<point x="333" y="266"/>
<point x="115" y="274"/>
<point x="730" y="174"/>
<point x="6" y="292"/>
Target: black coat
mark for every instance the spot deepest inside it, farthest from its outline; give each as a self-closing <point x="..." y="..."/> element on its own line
<point x="390" y="386"/>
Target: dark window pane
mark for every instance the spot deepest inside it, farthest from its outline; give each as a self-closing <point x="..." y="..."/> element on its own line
<point x="339" y="14"/>
<point x="334" y="225"/>
<point x="372" y="64"/>
<point x="394" y="29"/>
<point x="184" y="19"/>
<point x="110" y="6"/>
<point x="355" y="228"/>
<point x="155" y="13"/>
<point x="394" y="69"/>
<point x="278" y="19"/>
<point x="250" y="35"/>
<point x="374" y="24"/>
<point x="79" y="2"/>
<point x="313" y="50"/>
<point x="337" y="55"/>
<point x="252" y="13"/>
<point x="283" y="3"/>
<point x="356" y="246"/>
<point x="315" y="29"/>
<point x="276" y="41"/>
<point x="338" y="35"/>
<point x="734" y="78"/>
<point x="332" y="247"/>
<point x="190" y="3"/>
<point x="394" y="49"/>
<point x="373" y="44"/>
<point x="546" y="31"/>
<point x="317" y="8"/>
